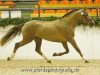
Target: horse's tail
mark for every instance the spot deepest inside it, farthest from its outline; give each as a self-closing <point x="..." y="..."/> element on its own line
<point x="11" y="34"/>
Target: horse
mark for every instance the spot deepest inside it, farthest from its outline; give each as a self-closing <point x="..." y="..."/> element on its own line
<point x="61" y="30"/>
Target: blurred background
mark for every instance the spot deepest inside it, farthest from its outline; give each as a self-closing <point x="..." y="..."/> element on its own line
<point x="45" y="8"/>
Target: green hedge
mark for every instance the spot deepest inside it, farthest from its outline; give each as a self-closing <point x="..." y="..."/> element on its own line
<point x="17" y="21"/>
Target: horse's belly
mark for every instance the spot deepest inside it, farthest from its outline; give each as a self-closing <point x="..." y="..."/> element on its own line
<point x="55" y="37"/>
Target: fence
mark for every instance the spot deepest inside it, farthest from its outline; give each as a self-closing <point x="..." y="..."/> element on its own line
<point x="63" y="6"/>
<point x="20" y="0"/>
<point x="43" y="9"/>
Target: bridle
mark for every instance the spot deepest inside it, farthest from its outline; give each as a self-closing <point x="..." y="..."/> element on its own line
<point x="85" y="16"/>
<point x="88" y="20"/>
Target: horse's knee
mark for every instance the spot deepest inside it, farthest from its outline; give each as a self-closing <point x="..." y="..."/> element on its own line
<point x="38" y="51"/>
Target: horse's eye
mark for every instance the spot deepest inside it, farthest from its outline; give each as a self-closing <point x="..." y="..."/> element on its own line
<point x="82" y="13"/>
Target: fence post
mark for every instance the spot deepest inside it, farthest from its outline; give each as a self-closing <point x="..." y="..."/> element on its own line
<point x="97" y="12"/>
<point x="38" y="10"/>
<point x="9" y="14"/>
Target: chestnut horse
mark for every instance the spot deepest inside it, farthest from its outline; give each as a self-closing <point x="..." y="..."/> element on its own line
<point x="61" y="30"/>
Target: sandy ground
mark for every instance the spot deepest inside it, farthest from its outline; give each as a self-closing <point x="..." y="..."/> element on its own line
<point x="57" y="67"/>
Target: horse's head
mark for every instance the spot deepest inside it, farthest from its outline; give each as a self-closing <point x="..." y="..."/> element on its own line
<point x="86" y="19"/>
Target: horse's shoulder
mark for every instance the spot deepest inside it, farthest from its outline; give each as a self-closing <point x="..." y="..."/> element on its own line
<point x="33" y="21"/>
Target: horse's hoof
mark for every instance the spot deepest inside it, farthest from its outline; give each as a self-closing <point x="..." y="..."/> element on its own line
<point x="55" y="54"/>
<point x="86" y="61"/>
<point x="49" y="61"/>
<point x="8" y="59"/>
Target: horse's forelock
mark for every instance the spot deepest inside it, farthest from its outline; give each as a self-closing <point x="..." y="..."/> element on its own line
<point x="82" y="12"/>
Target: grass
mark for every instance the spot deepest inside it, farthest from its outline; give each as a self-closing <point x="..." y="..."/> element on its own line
<point x="26" y="14"/>
<point x="25" y="5"/>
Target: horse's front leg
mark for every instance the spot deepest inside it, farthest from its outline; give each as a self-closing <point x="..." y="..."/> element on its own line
<point x="65" y="45"/>
<point x="72" y="41"/>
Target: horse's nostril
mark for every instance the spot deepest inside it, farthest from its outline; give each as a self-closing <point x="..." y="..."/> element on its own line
<point x="92" y="24"/>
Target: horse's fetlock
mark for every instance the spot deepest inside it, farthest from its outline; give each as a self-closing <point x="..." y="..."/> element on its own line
<point x="16" y="45"/>
<point x="67" y="51"/>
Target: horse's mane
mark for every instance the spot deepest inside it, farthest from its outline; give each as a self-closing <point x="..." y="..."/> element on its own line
<point x="69" y="13"/>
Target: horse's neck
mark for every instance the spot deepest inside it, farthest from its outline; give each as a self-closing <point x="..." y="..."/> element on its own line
<point x="71" y="20"/>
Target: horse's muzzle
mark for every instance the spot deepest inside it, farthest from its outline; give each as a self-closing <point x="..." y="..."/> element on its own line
<point x="92" y="24"/>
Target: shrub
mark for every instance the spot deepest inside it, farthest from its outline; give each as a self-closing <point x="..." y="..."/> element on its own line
<point x="17" y="21"/>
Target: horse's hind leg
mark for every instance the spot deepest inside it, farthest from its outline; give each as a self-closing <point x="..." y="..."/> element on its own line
<point x="38" y="42"/>
<point x="65" y="45"/>
<point x="72" y="41"/>
<point x="26" y="40"/>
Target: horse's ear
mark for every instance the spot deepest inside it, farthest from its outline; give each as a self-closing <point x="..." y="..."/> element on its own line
<point x="85" y="9"/>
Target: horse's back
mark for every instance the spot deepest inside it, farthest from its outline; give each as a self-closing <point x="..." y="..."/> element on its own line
<point x="35" y="24"/>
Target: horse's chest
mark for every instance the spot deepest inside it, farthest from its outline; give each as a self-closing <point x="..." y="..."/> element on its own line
<point x="70" y="32"/>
